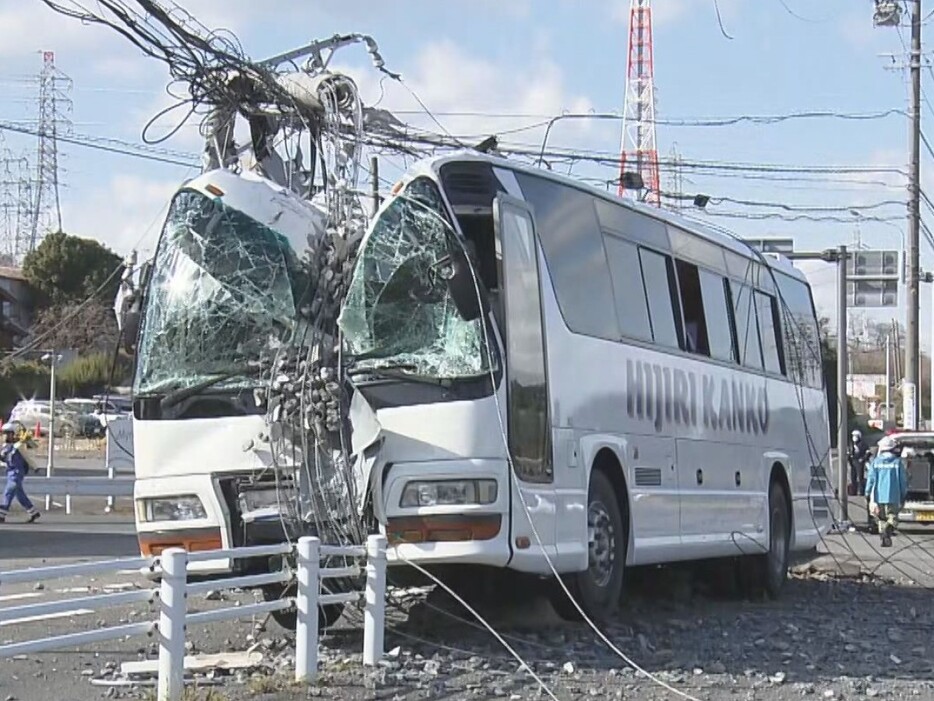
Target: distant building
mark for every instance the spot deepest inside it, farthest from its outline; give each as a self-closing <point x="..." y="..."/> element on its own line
<point x="865" y="386"/>
<point x="15" y="308"/>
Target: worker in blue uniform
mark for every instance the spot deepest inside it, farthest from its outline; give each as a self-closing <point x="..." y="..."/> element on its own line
<point x="887" y="487"/>
<point x="11" y="458"/>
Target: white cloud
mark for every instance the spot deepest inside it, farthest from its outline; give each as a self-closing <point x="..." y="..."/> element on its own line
<point x="29" y="27"/>
<point x="124" y="212"/>
<point x="465" y="105"/>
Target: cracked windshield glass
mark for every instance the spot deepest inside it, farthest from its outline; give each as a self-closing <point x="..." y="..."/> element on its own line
<point x="399" y="312"/>
<point x="221" y="291"/>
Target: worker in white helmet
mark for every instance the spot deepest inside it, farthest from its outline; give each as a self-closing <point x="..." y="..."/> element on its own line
<point x="857" y="455"/>
<point x="887" y="486"/>
<point x="16" y="469"/>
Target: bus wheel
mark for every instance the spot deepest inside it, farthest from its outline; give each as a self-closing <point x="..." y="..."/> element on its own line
<point x="767" y="573"/>
<point x="597" y="589"/>
<point x="288" y="618"/>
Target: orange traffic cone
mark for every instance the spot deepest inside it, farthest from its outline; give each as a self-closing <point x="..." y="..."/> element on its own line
<point x="38" y="429"/>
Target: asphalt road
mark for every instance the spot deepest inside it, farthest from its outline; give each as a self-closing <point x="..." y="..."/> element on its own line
<point x="57" y="536"/>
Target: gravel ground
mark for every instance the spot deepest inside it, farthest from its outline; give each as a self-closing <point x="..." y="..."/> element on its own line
<point x="838" y="632"/>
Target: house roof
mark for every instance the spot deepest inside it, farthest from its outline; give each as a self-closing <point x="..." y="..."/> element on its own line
<point x="12" y="273"/>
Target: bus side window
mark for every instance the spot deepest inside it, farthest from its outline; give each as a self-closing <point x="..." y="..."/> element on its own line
<point x="631" y="307"/>
<point x="717" y="313"/>
<point x="747" y="327"/>
<point x="769" y="333"/>
<point x="692" y="306"/>
<point x="657" y="278"/>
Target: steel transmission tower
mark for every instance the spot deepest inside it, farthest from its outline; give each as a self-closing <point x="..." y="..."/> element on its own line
<point x="54" y="107"/>
<point x="639" y="153"/>
<point x="16" y="208"/>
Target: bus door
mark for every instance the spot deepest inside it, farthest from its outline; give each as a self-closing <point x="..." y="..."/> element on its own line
<point x="527" y="419"/>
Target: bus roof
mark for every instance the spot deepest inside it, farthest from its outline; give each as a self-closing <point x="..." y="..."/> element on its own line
<point x="701" y="229"/>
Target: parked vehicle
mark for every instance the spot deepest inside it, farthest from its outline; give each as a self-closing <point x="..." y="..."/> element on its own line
<point x="918" y="452"/>
<point x="110" y="407"/>
<point x="88" y="420"/>
<point x="33" y="412"/>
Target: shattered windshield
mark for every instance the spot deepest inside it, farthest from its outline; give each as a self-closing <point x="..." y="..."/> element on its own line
<point x="398" y="310"/>
<point x="222" y="288"/>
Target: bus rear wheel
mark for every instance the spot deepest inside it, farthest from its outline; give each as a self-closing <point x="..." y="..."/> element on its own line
<point x="766" y="574"/>
<point x="597" y="590"/>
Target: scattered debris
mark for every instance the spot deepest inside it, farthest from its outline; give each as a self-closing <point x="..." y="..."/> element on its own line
<point x="198" y="663"/>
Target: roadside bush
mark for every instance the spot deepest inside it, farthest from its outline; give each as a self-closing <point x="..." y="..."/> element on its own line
<point x="89" y="375"/>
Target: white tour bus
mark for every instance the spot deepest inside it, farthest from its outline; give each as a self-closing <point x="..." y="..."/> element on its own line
<point x="607" y="385"/>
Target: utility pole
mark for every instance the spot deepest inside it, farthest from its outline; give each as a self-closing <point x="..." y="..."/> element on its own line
<point x="374" y="183"/>
<point x="888" y="14"/>
<point x="888" y="380"/>
<point x="838" y="256"/>
<point x="912" y="364"/>
<point x="842" y="371"/>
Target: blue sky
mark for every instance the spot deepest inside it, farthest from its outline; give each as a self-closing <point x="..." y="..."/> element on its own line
<point x="529" y="57"/>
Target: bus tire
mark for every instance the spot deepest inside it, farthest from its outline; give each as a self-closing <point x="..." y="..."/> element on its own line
<point x="597" y="589"/>
<point x="766" y="574"/>
<point x="288" y="618"/>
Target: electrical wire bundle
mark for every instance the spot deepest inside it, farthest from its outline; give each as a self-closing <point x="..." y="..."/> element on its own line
<point x="210" y="64"/>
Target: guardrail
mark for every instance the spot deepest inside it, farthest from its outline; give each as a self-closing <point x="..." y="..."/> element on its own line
<point x="68" y="487"/>
<point x="174" y="588"/>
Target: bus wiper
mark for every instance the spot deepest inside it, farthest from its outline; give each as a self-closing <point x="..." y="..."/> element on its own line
<point x="180" y="395"/>
<point x="398" y="371"/>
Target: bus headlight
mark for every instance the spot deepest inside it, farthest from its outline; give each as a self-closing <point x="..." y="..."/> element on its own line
<point x="183" y="508"/>
<point x="448" y="493"/>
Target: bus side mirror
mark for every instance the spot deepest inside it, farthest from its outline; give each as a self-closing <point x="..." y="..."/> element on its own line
<point x="129" y="326"/>
<point x="132" y="311"/>
<point x="464" y="287"/>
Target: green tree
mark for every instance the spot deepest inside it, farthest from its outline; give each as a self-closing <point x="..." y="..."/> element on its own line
<point x="89" y="327"/>
<point x="66" y="269"/>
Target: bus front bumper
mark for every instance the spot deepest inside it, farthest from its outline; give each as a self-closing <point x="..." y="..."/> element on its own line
<point x="425" y="528"/>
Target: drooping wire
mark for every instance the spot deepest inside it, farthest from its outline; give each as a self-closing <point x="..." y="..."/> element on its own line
<point x="716" y="5"/>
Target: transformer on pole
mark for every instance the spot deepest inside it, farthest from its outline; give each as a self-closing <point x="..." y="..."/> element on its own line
<point x="639" y="153"/>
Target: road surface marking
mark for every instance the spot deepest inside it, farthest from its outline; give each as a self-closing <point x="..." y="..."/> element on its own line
<point x="15" y="597"/>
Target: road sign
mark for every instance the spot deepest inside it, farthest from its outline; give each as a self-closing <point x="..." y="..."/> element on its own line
<point x="871" y="293"/>
<point x="772" y="245"/>
<point x="872" y="278"/>
<point x="872" y="264"/>
<point x="909" y="421"/>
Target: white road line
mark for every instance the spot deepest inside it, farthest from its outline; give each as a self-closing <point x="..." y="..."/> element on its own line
<point x="32" y="619"/>
<point x="17" y="597"/>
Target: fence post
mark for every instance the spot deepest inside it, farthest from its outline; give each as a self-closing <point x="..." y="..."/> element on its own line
<point x="306" y="606"/>
<point x="374" y="613"/>
<point x="174" y="605"/>
<point x="110" y="499"/>
<point x="110" y="475"/>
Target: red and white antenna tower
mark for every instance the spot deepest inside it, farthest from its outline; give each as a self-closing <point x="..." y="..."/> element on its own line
<point x="639" y="153"/>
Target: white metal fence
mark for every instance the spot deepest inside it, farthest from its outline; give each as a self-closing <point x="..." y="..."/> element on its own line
<point x="174" y="588"/>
